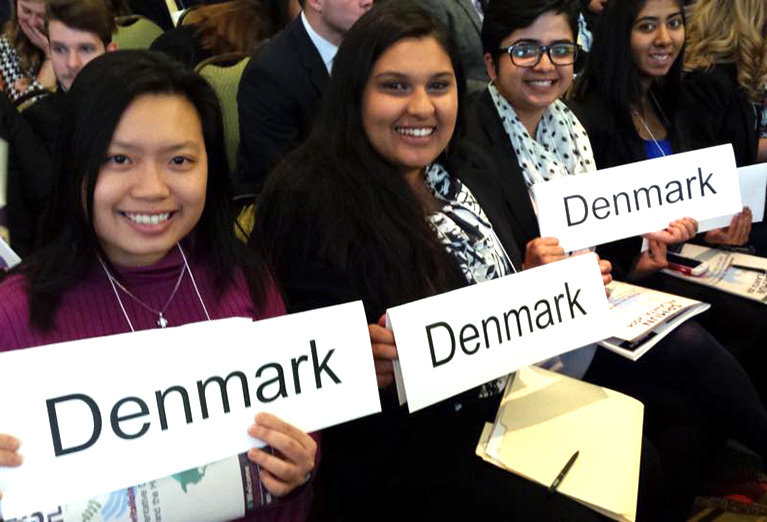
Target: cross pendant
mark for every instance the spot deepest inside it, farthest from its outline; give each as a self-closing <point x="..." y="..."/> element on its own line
<point x="162" y="322"/>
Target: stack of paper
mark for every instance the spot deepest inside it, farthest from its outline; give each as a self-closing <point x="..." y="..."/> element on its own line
<point x="731" y="272"/>
<point x="545" y="417"/>
<point x="642" y="317"/>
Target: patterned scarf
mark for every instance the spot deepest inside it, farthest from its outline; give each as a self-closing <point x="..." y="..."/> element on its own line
<point x="561" y="146"/>
<point x="463" y="228"/>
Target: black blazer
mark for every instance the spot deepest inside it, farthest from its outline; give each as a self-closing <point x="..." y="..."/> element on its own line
<point x="485" y="161"/>
<point x="720" y="112"/>
<point x="278" y="98"/>
<point x="30" y="179"/>
<point x="44" y="117"/>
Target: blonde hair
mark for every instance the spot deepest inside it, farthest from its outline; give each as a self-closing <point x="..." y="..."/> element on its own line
<point x="30" y="57"/>
<point x="731" y="31"/>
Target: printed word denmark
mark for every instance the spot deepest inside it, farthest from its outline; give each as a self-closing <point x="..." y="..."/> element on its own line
<point x="579" y="209"/>
<point x="270" y="382"/>
<point x="503" y="327"/>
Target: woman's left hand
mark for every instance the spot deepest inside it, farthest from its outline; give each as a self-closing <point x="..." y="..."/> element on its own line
<point x="736" y="234"/>
<point x="291" y="465"/>
<point x="606" y="268"/>
<point x="677" y="231"/>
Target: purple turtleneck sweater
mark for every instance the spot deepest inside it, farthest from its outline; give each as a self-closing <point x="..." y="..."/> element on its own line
<point x="92" y="310"/>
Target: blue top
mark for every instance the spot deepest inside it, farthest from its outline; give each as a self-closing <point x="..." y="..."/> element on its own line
<point x="652" y="148"/>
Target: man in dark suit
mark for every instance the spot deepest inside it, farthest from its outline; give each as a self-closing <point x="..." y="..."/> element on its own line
<point x="282" y="85"/>
<point x="463" y="19"/>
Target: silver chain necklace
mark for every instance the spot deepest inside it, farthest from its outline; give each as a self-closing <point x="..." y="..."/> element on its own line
<point x="162" y="322"/>
<point x="649" y="132"/>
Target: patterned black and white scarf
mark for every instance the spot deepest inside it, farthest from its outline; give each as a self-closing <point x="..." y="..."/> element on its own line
<point x="463" y="228"/>
<point x="561" y="146"/>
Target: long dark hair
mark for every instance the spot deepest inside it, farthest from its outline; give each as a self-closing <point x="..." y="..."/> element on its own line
<point x="99" y="96"/>
<point x="610" y="72"/>
<point x="364" y="217"/>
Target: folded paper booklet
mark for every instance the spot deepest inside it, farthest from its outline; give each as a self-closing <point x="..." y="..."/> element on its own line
<point x="643" y="317"/>
<point x="224" y="490"/>
<point x="545" y="417"/>
<point x="732" y="272"/>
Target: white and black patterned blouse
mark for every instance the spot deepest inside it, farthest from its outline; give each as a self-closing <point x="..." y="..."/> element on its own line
<point x="10" y="71"/>
<point x="462" y="226"/>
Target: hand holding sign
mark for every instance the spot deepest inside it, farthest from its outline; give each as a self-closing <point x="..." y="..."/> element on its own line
<point x="384" y="352"/>
<point x="9" y="452"/>
<point x="290" y="467"/>
<point x="606" y="268"/>
<point x="650" y="261"/>
<point x="736" y="234"/>
<point x="678" y="231"/>
<point x="541" y="251"/>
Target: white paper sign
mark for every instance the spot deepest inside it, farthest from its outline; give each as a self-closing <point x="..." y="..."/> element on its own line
<point x="455" y="341"/>
<point x="753" y="189"/>
<point x="160" y="409"/>
<point x="8" y="258"/>
<point x="607" y="205"/>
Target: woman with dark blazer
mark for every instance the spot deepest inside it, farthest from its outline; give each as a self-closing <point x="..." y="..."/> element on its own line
<point x="629" y="100"/>
<point x="364" y="210"/>
<point x="726" y="58"/>
<point x="518" y="133"/>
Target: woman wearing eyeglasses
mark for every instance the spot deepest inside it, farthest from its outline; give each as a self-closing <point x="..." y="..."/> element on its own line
<point x="518" y="133"/>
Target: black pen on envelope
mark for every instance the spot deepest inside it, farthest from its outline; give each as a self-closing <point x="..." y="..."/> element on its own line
<point x="563" y="473"/>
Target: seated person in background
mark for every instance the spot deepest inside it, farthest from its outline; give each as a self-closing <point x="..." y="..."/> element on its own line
<point x="628" y="100"/>
<point x="463" y="19"/>
<point x="228" y="27"/>
<point x="142" y="139"/>
<point x="281" y="87"/>
<point x="78" y="31"/>
<point x="591" y="10"/>
<point x="24" y="65"/>
<point x="519" y="133"/>
<point x="30" y="178"/>
<point x="727" y="84"/>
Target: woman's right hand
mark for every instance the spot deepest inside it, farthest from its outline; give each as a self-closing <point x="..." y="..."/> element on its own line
<point x="541" y="251"/>
<point x="37" y="37"/>
<point x="9" y="453"/>
<point x="384" y="351"/>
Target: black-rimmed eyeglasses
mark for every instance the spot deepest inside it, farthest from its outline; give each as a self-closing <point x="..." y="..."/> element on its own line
<point x="529" y="54"/>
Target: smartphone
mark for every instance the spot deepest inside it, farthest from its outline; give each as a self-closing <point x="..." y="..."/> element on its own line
<point x="686" y="265"/>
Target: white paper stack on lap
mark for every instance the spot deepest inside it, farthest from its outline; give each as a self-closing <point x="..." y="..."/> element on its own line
<point x="643" y="317"/>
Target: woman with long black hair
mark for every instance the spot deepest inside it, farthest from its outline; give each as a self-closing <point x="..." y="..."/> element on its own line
<point x="141" y="237"/>
<point x="365" y="210"/>
<point x="629" y="101"/>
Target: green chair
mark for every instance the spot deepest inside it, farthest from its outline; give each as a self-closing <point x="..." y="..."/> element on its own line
<point x="224" y="72"/>
<point x="136" y="32"/>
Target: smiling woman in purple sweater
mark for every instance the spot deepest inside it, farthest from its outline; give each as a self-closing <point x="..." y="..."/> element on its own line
<point x="141" y="237"/>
